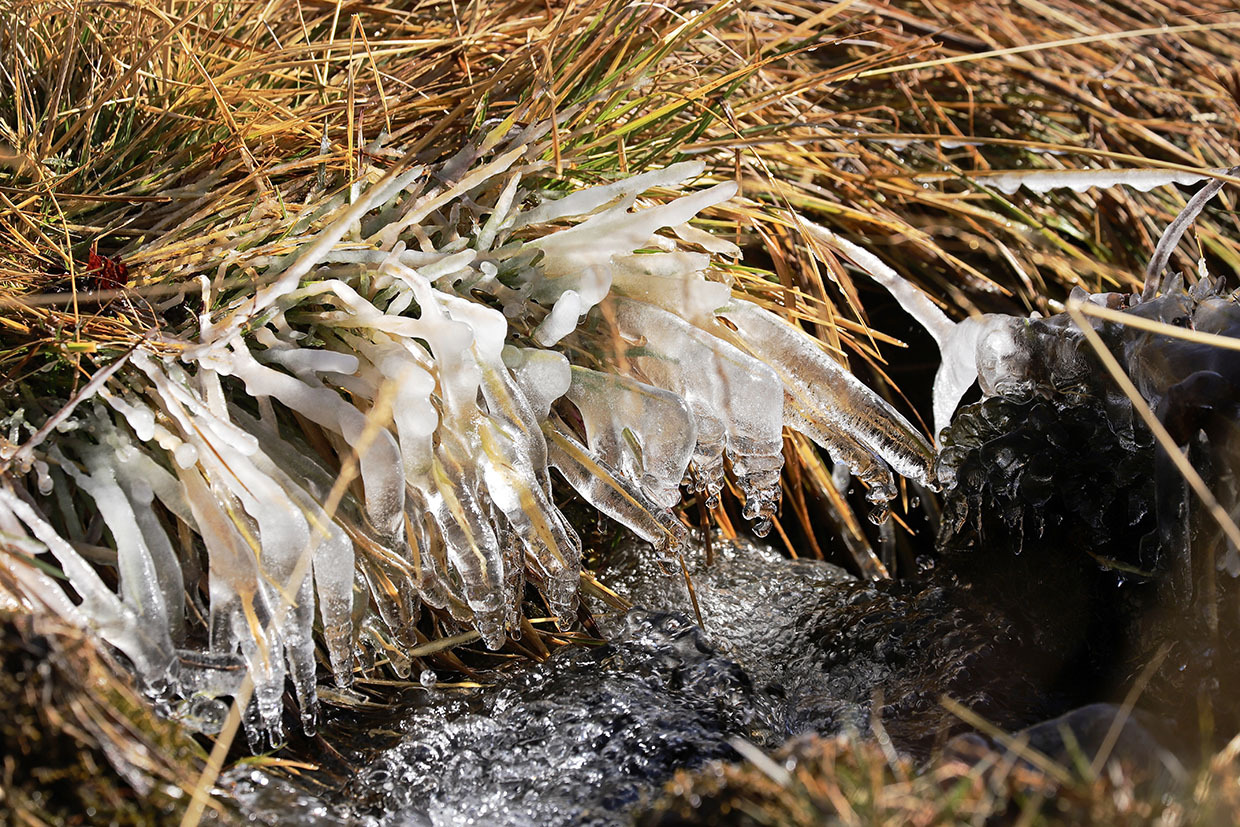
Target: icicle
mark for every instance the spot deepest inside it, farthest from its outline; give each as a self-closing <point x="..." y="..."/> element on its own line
<point x="542" y="375"/>
<point x="515" y="456"/>
<point x="607" y="491"/>
<point x="562" y="320"/>
<point x="620" y="194"/>
<point x="1078" y="180"/>
<point x="150" y="573"/>
<point x="910" y="298"/>
<point x="829" y="404"/>
<point x="580" y="258"/>
<point x="118" y="624"/>
<point x="224" y="332"/>
<point x="37" y="588"/>
<point x="672" y="281"/>
<point x="379" y="463"/>
<point x="721" y="384"/>
<point x="240" y="612"/>
<point x="645" y="433"/>
<point x="469" y="538"/>
<point x="457" y="505"/>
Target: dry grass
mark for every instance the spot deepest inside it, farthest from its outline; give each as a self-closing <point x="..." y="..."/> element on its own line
<point x="187" y="139"/>
<point x="849" y="781"/>
<point x="70" y="723"/>
<point x="184" y="138"/>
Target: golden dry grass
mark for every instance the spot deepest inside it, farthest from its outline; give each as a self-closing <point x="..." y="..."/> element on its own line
<point x="183" y="137"/>
<point x="187" y="138"/>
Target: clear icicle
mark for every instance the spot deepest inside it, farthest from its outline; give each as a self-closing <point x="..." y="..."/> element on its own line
<point x="673" y="281"/>
<point x="515" y="460"/>
<point x="36" y="590"/>
<point x="721" y="384"/>
<point x="829" y="404"/>
<point x="542" y="375"/>
<point x="141" y="478"/>
<point x="607" y="491"/>
<point x="645" y="433"/>
<point x="469" y="538"/>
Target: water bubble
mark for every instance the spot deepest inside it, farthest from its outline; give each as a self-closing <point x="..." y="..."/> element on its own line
<point x="428" y="678"/>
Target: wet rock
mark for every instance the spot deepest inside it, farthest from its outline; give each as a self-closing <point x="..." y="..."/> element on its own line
<point x="1050" y="523"/>
<point x="1074" y="527"/>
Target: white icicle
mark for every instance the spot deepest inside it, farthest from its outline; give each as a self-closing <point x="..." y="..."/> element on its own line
<point x="150" y="570"/>
<point x="542" y="375"/>
<point x="116" y="622"/>
<point x="380" y="462"/>
<point x="562" y="320"/>
<point x="624" y="191"/>
<point x="580" y="258"/>
<point x="1078" y="180"/>
<point x="37" y="588"/>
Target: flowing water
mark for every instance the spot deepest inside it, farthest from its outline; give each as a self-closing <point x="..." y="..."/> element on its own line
<point x="1065" y="565"/>
<point x="590" y="736"/>
<point x="593" y="732"/>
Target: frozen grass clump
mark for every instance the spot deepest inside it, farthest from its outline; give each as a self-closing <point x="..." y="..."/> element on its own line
<point x="369" y="431"/>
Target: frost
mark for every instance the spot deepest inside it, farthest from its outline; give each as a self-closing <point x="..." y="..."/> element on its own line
<point x="1080" y="180"/>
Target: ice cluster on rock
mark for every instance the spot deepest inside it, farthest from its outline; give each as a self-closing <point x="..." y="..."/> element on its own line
<point x="1191" y="382"/>
<point x="404" y="329"/>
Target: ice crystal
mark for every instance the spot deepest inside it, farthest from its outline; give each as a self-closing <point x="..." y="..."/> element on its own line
<point x="407" y="334"/>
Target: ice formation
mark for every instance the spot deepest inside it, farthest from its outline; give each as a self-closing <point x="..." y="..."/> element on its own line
<point x="1079" y="180"/>
<point x="192" y="498"/>
<point x="1190" y="382"/>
